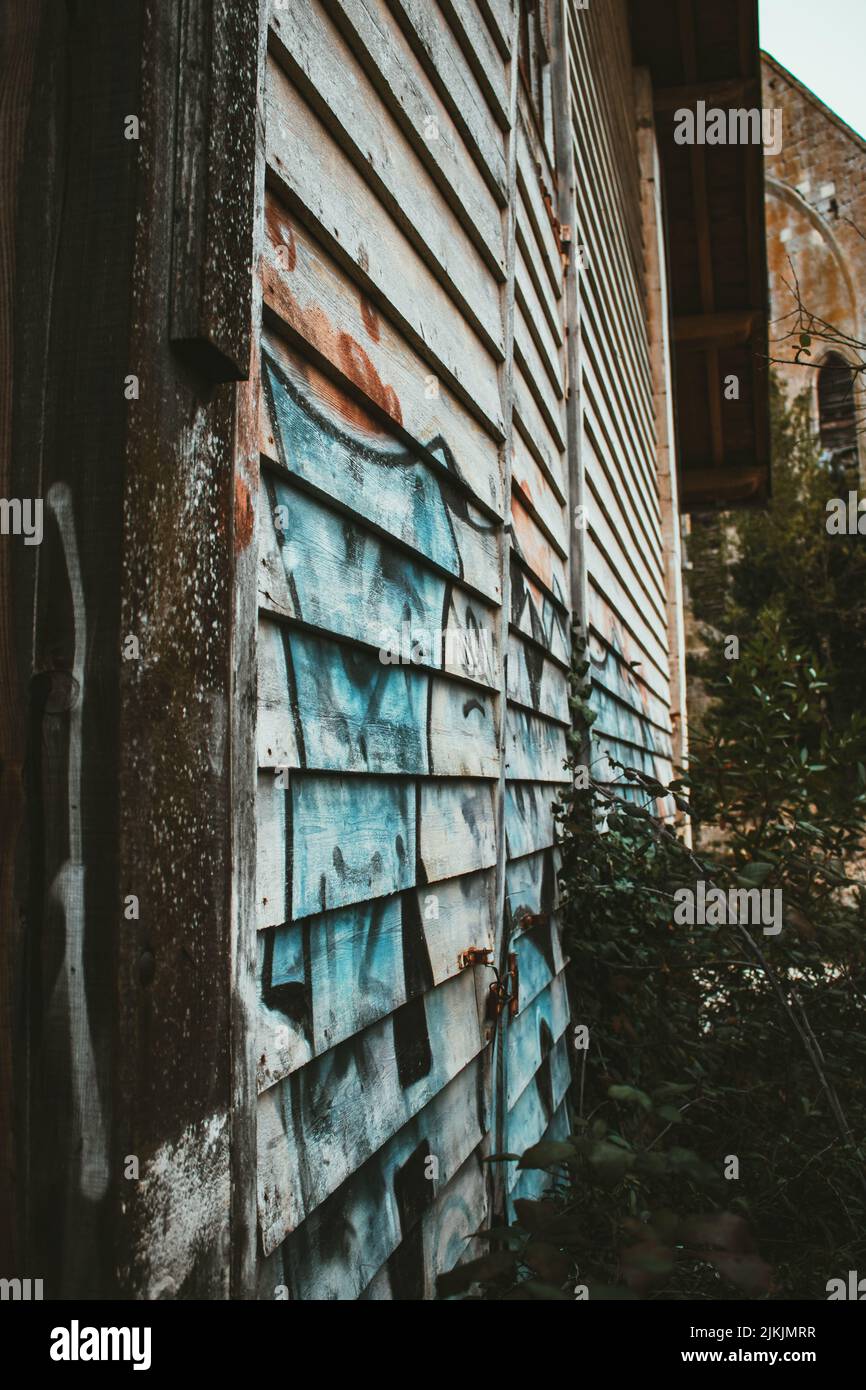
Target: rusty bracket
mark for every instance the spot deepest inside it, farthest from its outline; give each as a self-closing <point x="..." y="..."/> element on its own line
<point x="496" y="997"/>
<point x="474" y="955"/>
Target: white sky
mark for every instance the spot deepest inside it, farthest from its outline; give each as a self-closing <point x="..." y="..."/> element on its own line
<point x="823" y="43"/>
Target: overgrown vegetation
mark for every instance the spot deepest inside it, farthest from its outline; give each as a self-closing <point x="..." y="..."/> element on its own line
<point x="720" y="1098"/>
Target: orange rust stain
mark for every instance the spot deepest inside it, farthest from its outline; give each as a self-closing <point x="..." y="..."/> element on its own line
<point x="358" y="367"/>
<point x="370" y="317"/>
<point x="533" y="546"/>
<point x="244" y="518"/>
<point x="523" y="484"/>
<point x="336" y="346"/>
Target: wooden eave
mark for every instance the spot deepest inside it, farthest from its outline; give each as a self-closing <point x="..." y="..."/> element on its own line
<point x="698" y="50"/>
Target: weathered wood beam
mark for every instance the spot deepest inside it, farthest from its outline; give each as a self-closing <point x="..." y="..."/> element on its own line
<point x="709" y="486"/>
<point x="732" y="91"/>
<point x="731" y="328"/>
<point x="210" y="289"/>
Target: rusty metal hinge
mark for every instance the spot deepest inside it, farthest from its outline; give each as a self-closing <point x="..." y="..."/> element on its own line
<point x="474" y="955"/>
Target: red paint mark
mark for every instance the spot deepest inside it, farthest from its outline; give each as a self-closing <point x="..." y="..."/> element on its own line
<point x="370" y="317"/>
<point x="358" y="367"/>
<point x="340" y="348"/>
<point x="244" y="518"/>
<point x="534" y="547"/>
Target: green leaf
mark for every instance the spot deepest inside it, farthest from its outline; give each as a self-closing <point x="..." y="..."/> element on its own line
<point x="547" y="1154"/>
<point x="631" y="1094"/>
<point x="754" y="873"/>
<point x="669" y="1113"/>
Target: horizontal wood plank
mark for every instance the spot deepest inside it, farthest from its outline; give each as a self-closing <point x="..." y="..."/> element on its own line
<point x="347" y="1103"/>
<point x="329" y="443"/>
<point x="323" y="187"/>
<point x="320" y="305"/>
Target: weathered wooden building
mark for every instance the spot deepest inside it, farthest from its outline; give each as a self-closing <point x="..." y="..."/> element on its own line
<point x="352" y="348"/>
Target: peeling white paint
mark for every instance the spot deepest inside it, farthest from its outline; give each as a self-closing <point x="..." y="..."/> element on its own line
<point x="183" y="1201"/>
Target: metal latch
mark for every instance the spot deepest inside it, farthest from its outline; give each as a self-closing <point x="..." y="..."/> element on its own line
<point x="505" y="990"/>
<point x="474" y="955"/>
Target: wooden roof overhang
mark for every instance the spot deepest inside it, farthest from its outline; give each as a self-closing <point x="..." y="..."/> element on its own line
<point x="703" y="51"/>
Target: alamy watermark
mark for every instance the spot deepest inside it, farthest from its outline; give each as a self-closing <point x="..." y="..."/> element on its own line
<point x="713" y="907"/>
<point x="737" y="126"/>
<point x="852" y="1289"/>
<point x="20" y="1290"/>
<point x="471" y="648"/>
<point x="22" y="516"/>
<point x="76" y="1343"/>
<point x="846" y="518"/>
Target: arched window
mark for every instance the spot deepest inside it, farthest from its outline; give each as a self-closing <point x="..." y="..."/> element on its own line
<point x="837" y="409"/>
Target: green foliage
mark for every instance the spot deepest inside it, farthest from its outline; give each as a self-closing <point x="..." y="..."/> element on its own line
<point x="781" y="561"/>
<point x="710" y="1044"/>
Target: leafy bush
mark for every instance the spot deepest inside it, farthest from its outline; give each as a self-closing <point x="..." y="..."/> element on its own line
<point x="720" y="1106"/>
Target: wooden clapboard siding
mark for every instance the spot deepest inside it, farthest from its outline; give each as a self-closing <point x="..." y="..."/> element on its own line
<point x="623" y="543"/>
<point x="323" y="1121"/>
<point x="321" y="183"/>
<point x="438" y="51"/>
<point x="340" y="1248"/>
<point x="528" y="818"/>
<point x="315" y="304"/>
<point x="389" y="366"/>
<point x="322" y="980"/>
<point x="371" y="475"/>
<point x="417" y="436"/>
<point x="531" y="1118"/>
<point x="438" y="1243"/>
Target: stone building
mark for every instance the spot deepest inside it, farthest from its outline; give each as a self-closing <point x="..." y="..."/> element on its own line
<point x="816" y="238"/>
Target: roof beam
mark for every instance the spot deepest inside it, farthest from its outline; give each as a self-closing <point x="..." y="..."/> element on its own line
<point x="721" y="486"/>
<point x="730" y="328"/>
<point x="730" y="91"/>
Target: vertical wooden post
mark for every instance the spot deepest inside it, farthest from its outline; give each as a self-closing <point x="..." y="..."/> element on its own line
<point x="19" y="30"/>
<point x="120" y="648"/>
<point x="242" y="742"/>
<point x="662" y="379"/>
<point x="506" y="387"/>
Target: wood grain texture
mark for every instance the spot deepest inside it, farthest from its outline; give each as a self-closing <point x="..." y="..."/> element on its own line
<point x="310" y="49"/>
<point x="337" y="1252"/>
<point x="403" y="809"/>
<point x="19" y="33"/>
<point x="211" y="285"/>
<point x="347" y="580"/>
<point x="386" y="55"/>
<point x="347" y="1103"/>
<point x="438" y="51"/>
<point x="320" y="306"/>
<point x="322" y="185"/>
<point x="344" y="455"/>
<point x="324" y="979"/>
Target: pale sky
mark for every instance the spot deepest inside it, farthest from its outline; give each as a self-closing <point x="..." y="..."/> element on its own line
<point x="823" y="43"/>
